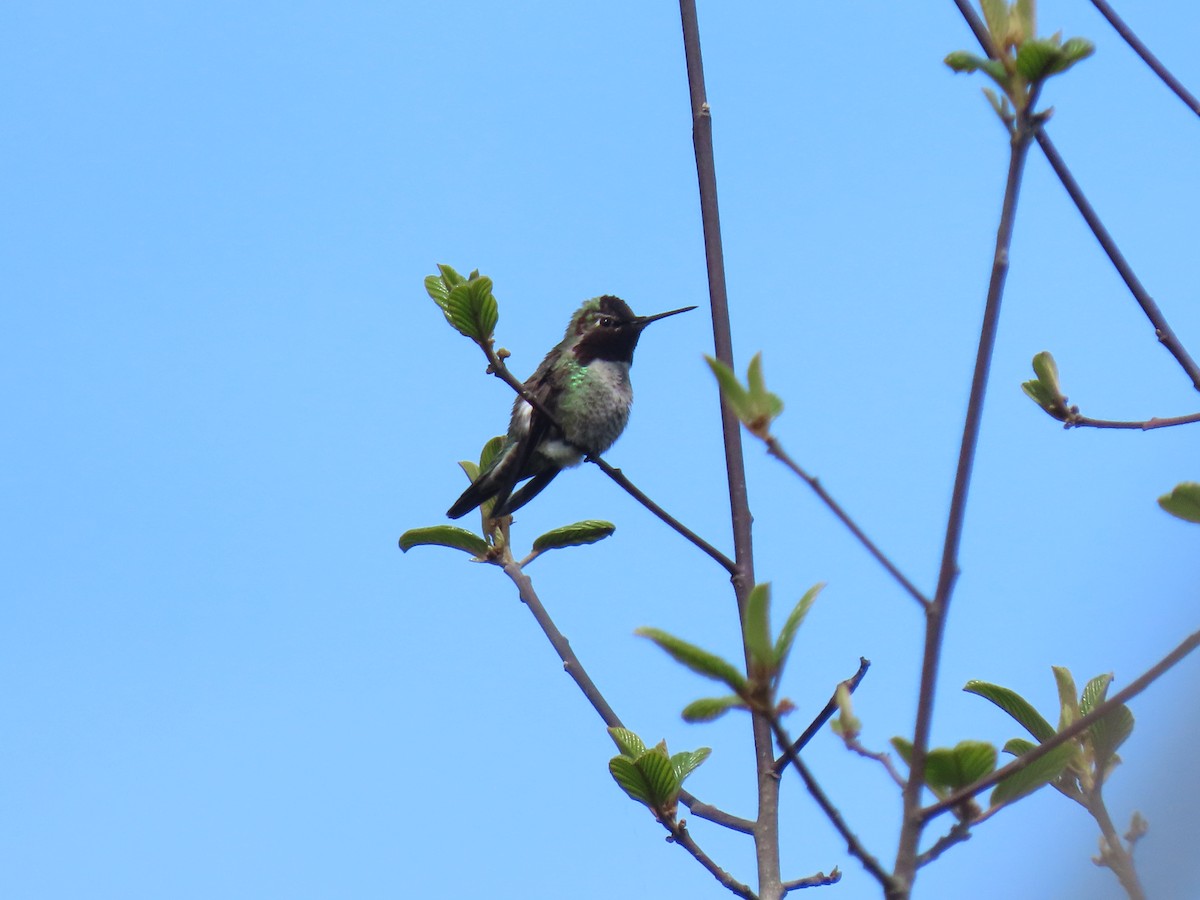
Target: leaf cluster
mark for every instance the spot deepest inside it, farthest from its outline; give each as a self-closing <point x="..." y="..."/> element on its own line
<point x="467" y="303"/>
<point x="1075" y="768"/>
<point x="752" y="403"/>
<point x="758" y="688"/>
<point x="1019" y="61"/>
<point x="650" y="775"/>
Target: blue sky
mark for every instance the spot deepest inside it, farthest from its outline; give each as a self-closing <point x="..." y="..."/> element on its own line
<point x="227" y="395"/>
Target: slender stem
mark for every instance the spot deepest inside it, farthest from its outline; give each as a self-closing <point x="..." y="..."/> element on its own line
<point x="766" y="834"/>
<point x="853" y="844"/>
<point x="776" y="450"/>
<point x="884" y="759"/>
<point x="935" y="623"/>
<point x="824" y="715"/>
<point x="1156" y="422"/>
<point x="1080" y="725"/>
<point x="573" y="667"/>
<point x="818" y="880"/>
<point x="1148" y="58"/>
<point x="681" y="836"/>
<point x="497" y="367"/>
<point x="1162" y="330"/>
<point x="961" y="831"/>
<point x="1113" y="853"/>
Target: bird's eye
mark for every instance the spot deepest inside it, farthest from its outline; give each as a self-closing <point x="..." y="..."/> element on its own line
<point x="606" y="321"/>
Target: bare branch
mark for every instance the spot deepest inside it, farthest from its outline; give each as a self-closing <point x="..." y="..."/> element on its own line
<point x="1148" y="58"/>
<point x="853" y="844"/>
<point x="818" y="880"/>
<point x="777" y="451"/>
<point x="681" y="836"/>
<point x="1078" y="421"/>
<point x="824" y="715"/>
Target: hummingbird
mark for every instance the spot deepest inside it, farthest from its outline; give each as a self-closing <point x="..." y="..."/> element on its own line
<point x="584" y="384"/>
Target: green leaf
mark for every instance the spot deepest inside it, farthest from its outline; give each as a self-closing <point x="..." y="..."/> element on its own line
<point x="1075" y="49"/>
<point x="470" y="468"/>
<point x="1108" y="734"/>
<point x="1183" y="501"/>
<point x="699" y="661"/>
<point x="444" y="536"/>
<point x="626" y="773"/>
<point x="947" y="769"/>
<point x="688" y="761"/>
<point x="787" y="634"/>
<point x="995" y="12"/>
<point x="1046" y="391"/>
<point x="660" y="776"/>
<point x="586" y="532"/>
<point x="1015" y="705"/>
<point x="472" y="309"/>
<point x="996" y="71"/>
<point x="847" y="725"/>
<point x="757" y="625"/>
<point x="707" y="709"/>
<point x="1038" y="58"/>
<point x="627" y="742"/>
<point x="1035" y="775"/>
<point x="437" y="290"/>
<point x="1094" y="693"/>
<point x="449" y="276"/>
<point x="1017" y="746"/>
<point x="962" y="61"/>
<point x="731" y="389"/>
<point x="904" y="748"/>
<point x="490" y="451"/>
<point x="1026" y="13"/>
<point x="1068" y="705"/>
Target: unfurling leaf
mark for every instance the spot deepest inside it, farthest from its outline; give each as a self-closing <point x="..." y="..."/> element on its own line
<point x="1035" y="775"/>
<point x="627" y="742"/>
<point x="787" y="634"/>
<point x="700" y="661"/>
<point x="707" y="709"/>
<point x="757" y="626"/>
<point x="445" y="536"/>
<point x="586" y="532"/>
<point x="1183" y="501"/>
<point x="1015" y="705"/>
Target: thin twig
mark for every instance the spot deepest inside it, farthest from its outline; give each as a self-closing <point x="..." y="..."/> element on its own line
<point x="818" y="880"/>
<point x="1148" y="58"/>
<point x="497" y="367"/>
<point x="1113" y="853"/>
<point x="884" y="759"/>
<point x="573" y="667"/>
<point x="776" y="450"/>
<point x="681" y="836"/>
<point x="910" y="832"/>
<point x="961" y="831"/>
<point x="1077" y="727"/>
<point x="1156" y="422"/>
<point x="1162" y="330"/>
<point x="824" y="715"/>
<point x="853" y="844"/>
<point x="766" y="832"/>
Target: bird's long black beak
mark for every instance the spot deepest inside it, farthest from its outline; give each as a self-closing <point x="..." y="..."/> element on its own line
<point x="643" y="321"/>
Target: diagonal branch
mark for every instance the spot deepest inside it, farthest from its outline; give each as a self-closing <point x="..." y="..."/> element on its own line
<point x="776" y="450"/>
<point x="1148" y="58"/>
<point x="1162" y="330"/>
<point x="681" y="836"/>
<point x="1155" y="422"/>
<point x="824" y="715"/>
<point x="573" y="667"/>
<point x="935" y="624"/>
<point x="853" y="844"/>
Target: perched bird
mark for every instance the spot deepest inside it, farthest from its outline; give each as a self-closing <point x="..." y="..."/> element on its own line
<point x="584" y="384"/>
